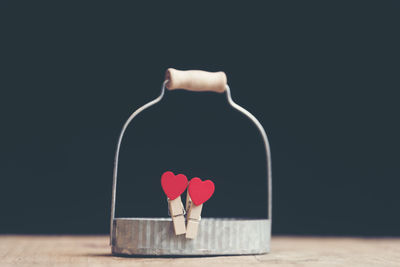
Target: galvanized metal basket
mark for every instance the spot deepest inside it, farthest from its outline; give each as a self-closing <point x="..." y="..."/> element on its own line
<point x="216" y="236"/>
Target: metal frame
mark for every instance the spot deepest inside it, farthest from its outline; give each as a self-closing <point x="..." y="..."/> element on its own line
<point x="158" y="99"/>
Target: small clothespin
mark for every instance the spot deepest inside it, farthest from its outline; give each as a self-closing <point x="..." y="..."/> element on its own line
<point x="198" y="192"/>
<point x="173" y="186"/>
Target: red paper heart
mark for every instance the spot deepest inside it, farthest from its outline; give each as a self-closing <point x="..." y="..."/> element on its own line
<point x="200" y="191"/>
<point x="173" y="185"/>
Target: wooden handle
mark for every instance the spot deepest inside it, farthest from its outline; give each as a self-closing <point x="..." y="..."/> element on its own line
<point x="196" y="80"/>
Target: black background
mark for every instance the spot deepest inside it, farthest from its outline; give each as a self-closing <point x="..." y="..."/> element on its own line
<point x="322" y="78"/>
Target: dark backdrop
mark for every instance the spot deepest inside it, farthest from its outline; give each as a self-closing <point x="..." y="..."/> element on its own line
<point x="322" y="77"/>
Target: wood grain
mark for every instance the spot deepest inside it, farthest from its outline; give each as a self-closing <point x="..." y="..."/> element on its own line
<point x="176" y="211"/>
<point x="286" y="251"/>
<point x="193" y="217"/>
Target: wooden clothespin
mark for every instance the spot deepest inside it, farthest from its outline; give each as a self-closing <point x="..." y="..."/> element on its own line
<point x="198" y="192"/>
<point x="174" y="186"/>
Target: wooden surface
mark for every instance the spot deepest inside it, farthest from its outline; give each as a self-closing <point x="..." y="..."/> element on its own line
<point x="286" y="251"/>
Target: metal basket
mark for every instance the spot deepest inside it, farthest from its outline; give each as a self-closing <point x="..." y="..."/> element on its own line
<point x="216" y="236"/>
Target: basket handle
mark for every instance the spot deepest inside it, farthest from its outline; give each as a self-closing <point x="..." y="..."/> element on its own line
<point x="196" y="80"/>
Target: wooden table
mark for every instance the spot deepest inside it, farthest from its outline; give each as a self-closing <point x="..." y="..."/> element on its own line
<point x="286" y="251"/>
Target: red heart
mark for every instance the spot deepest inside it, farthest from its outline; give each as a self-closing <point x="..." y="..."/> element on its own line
<point x="200" y="191"/>
<point x="173" y="185"/>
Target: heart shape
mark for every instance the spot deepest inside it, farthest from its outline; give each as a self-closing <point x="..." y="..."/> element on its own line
<point x="200" y="191"/>
<point x="173" y="185"/>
